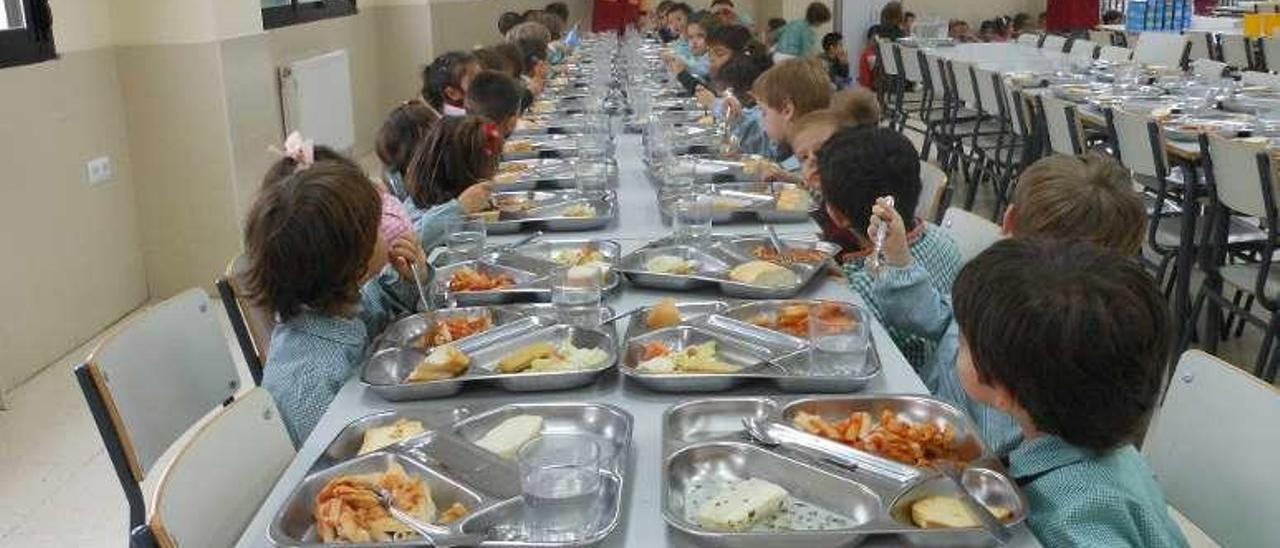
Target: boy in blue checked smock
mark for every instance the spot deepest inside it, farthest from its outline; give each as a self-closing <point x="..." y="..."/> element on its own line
<point x="856" y="166"/>
<point x="1087" y="197"/>
<point x="319" y="261"/>
<point x="1071" y="341"/>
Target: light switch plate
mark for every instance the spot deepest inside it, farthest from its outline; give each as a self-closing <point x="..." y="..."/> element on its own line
<point x="100" y="170"/>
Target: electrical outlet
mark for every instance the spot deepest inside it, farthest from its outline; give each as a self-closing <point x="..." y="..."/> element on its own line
<point x="100" y="170"/>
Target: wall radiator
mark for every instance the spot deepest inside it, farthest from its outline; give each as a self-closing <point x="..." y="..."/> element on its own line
<point x="315" y="95"/>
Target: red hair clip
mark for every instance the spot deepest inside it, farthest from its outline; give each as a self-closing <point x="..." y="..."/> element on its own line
<point x="493" y="139"/>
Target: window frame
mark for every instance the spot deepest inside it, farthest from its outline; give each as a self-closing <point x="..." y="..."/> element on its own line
<point x="33" y="43"/>
<point x="306" y="11"/>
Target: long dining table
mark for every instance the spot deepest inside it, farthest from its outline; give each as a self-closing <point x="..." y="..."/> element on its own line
<point x="639" y="221"/>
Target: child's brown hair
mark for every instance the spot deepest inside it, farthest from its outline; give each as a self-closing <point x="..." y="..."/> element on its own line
<point x="1088" y="197"/>
<point x="401" y="133"/>
<point x="459" y="152"/>
<point x="1077" y="334"/>
<point x="857" y="107"/>
<point x="309" y="237"/>
<point x="801" y="82"/>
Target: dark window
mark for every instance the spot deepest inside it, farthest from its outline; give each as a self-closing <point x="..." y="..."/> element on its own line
<point x="282" y="13"/>
<point x="26" y="32"/>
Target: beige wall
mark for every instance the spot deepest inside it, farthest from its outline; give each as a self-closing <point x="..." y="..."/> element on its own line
<point x="184" y="98"/>
<point x="73" y="260"/>
<point x="467" y="24"/>
<point x="973" y="12"/>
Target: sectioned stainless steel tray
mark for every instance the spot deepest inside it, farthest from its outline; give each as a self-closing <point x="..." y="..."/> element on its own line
<point x="528" y="285"/>
<point x="688" y="311"/>
<point x="294" y="524"/>
<point x="750" y="358"/>
<point x="548" y="212"/>
<point x="541" y="146"/>
<point x="540" y="171"/>
<point x="713" y="264"/>
<point x="696" y="473"/>
<point x="559" y="252"/>
<point x="385" y="372"/>
<point x="703" y="443"/>
<point x="749" y="202"/>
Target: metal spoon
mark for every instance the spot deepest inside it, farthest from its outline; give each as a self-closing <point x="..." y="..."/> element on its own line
<point x="989" y="522"/>
<point x="882" y="231"/>
<point x="434" y="535"/>
<point x="784" y="258"/>
<point x="422" y="287"/>
<point x="620" y="316"/>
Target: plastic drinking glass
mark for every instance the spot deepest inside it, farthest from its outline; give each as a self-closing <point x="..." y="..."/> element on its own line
<point x="838" y="341"/>
<point x="466" y="239"/>
<point x="561" y="483"/>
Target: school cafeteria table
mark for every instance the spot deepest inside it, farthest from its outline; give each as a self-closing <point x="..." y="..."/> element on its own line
<point x="642" y="524"/>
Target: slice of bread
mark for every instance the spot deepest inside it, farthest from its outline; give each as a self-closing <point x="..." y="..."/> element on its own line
<point x="948" y="512"/>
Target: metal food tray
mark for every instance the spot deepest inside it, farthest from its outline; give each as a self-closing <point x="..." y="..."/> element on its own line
<point x="406" y="332"/>
<point x="704" y="443"/>
<point x="748" y="202"/>
<point x="385" y="371"/>
<point x="492" y="513"/>
<point x="1222" y="123"/>
<point x="530" y="284"/>
<point x="713" y="265"/>
<point x="543" y="251"/>
<point x="546" y="214"/>
<point x="550" y="123"/>
<point x="539" y="173"/>
<point x="543" y="146"/>
<point x="765" y="355"/>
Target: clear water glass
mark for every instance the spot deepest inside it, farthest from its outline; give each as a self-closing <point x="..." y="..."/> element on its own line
<point x="591" y="168"/>
<point x="691" y="214"/>
<point x="838" y="342"/>
<point x="466" y="239"/>
<point x="562" y="485"/>
<point x="576" y="294"/>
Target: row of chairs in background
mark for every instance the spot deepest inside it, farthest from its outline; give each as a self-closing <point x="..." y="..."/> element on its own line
<point x="984" y="131"/>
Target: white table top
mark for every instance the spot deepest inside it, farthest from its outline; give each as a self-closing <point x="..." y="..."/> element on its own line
<point x="642" y="524"/>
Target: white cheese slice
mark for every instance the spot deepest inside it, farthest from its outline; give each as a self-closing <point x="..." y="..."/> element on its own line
<point x="741" y="506"/>
<point x="507" y="438"/>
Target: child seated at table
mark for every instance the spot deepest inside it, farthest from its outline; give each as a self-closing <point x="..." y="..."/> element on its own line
<point x="857" y="107"/>
<point x="857" y="166"/>
<point x="1072" y="341"/>
<point x="496" y="96"/>
<point x="1086" y="197"/>
<point x="406" y="127"/>
<point x="450" y="173"/>
<point x="317" y="260"/>
<point x="446" y="80"/>
<point x="534" y="63"/>
<point x="734" y="80"/>
<point x="786" y="92"/>
<point x="688" y="58"/>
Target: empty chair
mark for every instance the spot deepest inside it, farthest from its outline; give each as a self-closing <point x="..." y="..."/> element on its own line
<point x="146" y="386"/>
<point x="251" y="323"/>
<point x="1084" y="49"/>
<point x="1161" y="49"/>
<point x="1201" y="45"/>
<point x="1139" y="142"/>
<point x="934" y="187"/>
<point x="1234" y="49"/>
<point x="1230" y="495"/>
<point x="1240" y="176"/>
<point x="972" y="233"/>
<point x="1029" y="38"/>
<point x="1062" y="129"/>
<point x="1270" y="51"/>
<point x="1208" y="69"/>
<point x="1053" y="42"/>
<point x="1102" y="37"/>
<point x="1115" y="54"/>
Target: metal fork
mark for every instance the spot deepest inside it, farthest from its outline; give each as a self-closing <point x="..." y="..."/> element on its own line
<point x="989" y="522"/>
<point x="434" y="535"/>
<point x="784" y="254"/>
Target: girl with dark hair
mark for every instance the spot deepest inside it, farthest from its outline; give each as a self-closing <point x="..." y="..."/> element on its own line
<point x="448" y="176"/>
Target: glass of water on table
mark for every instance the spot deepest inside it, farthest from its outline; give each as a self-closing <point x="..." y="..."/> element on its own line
<point x="838" y="340"/>
<point x="576" y="293"/>
<point x="562" y="485"/>
<point x="466" y="239"/>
